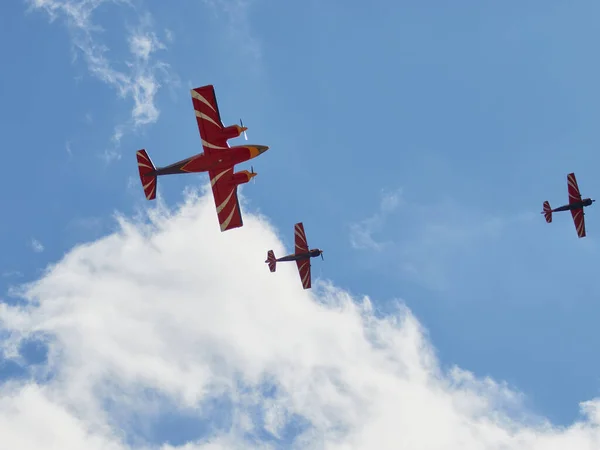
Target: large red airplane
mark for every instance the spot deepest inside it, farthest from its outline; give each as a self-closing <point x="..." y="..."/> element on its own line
<point x="302" y="256"/>
<point x="576" y="205"/>
<point x="218" y="159"/>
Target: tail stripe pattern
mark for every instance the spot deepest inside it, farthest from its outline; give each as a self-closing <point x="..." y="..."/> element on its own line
<point x="271" y="260"/>
<point x="147" y="169"/>
<point x="547" y="212"/>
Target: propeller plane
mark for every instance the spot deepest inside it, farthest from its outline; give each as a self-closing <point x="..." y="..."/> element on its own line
<point x="301" y="255"/>
<point x="575" y="205"/>
<point x="218" y="159"/>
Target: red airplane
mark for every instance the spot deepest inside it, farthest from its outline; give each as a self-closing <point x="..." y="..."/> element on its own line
<point x="301" y="256"/>
<point x="218" y="159"/>
<point x="576" y="205"/>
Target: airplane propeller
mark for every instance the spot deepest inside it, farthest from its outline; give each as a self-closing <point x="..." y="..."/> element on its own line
<point x="241" y="125"/>
<point x="253" y="172"/>
<point x="322" y="255"/>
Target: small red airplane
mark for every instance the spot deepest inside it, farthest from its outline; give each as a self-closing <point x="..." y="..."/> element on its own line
<point x="576" y="205"/>
<point x="302" y="256"/>
<point x="218" y="159"/>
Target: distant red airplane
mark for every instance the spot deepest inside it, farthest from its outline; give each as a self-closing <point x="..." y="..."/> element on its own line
<point x="302" y="256"/>
<point x="218" y="159"/>
<point x="576" y="205"/>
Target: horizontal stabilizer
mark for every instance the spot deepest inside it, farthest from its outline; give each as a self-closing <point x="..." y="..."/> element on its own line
<point x="271" y="260"/>
<point x="147" y="174"/>
<point x="547" y="212"/>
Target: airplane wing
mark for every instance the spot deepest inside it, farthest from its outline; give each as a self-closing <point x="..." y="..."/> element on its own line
<point x="579" y="219"/>
<point x="226" y="199"/>
<point x="209" y="119"/>
<point x="302" y="247"/>
<point x="304" y="270"/>
<point x="574" y="194"/>
<point x="574" y="197"/>
<point x="300" y="238"/>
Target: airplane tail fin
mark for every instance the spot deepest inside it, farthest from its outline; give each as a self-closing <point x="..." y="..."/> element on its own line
<point x="547" y="212"/>
<point x="147" y="174"/>
<point x="271" y="260"/>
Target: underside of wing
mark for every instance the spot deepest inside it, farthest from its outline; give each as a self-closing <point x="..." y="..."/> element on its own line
<point x="300" y="239"/>
<point x="574" y="194"/>
<point x="579" y="220"/>
<point x="209" y="119"/>
<point x="304" y="271"/>
<point x="226" y="199"/>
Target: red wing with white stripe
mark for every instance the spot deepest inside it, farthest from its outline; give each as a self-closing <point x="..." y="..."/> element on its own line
<point x="304" y="270"/>
<point x="579" y="220"/>
<point x="301" y="246"/>
<point x="574" y="194"/>
<point x="209" y="119"/>
<point x="575" y="197"/>
<point x="226" y="199"/>
<point x="300" y="239"/>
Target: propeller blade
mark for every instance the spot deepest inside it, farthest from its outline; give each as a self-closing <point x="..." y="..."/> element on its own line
<point x="322" y="256"/>
<point x="241" y="125"/>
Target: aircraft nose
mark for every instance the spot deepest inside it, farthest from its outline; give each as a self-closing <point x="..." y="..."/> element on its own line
<point x="256" y="150"/>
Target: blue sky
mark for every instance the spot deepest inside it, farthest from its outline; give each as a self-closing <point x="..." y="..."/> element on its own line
<point x="416" y="143"/>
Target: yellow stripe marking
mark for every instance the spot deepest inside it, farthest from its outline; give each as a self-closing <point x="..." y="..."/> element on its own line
<point x="225" y="224"/>
<point x="205" y="117"/>
<point x="224" y="204"/>
<point x="215" y="179"/>
<point x="200" y="97"/>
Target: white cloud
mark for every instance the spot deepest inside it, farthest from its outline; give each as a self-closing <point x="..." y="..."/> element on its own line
<point x="37" y="246"/>
<point x="361" y="233"/>
<point x="30" y="418"/>
<point x="142" y="45"/>
<point x="169" y="35"/>
<point x="178" y="309"/>
<point x="140" y="81"/>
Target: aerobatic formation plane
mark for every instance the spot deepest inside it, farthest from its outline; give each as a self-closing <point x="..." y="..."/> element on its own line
<point x="218" y="159"/>
<point x="302" y="256"/>
<point x="576" y="205"/>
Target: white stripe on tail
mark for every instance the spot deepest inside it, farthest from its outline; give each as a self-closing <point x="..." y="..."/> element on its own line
<point x="147" y="176"/>
<point x="547" y="212"/>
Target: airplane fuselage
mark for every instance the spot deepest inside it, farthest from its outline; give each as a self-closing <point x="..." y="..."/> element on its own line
<point x="575" y="205"/>
<point x="220" y="159"/>
<point x="299" y="256"/>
